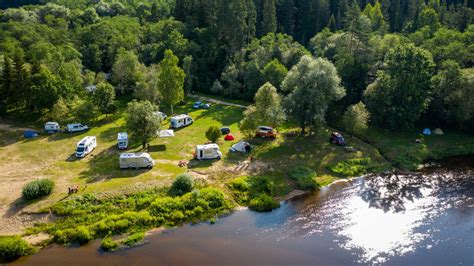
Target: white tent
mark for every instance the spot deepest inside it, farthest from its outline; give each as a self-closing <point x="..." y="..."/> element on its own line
<point x="166" y="133"/>
<point x="241" y="146"/>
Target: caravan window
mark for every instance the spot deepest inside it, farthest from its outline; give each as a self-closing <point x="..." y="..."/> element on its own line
<point x="80" y="149"/>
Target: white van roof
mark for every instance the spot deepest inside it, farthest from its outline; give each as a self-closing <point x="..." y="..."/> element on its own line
<point x="85" y="140"/>
<point x="207" y="146"/>
<point x="178" y="117"/>
<point x="134" y="155"/>
<point x="52" y="123"/>
<point x="122" y="135"/>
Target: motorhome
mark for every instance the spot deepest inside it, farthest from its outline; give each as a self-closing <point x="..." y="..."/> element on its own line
<point x="208" y="152"/>
<point x="71" y="128"/>
<point x="51" y="127"/>
<point x="122" y="140"/>
<point x="181" y="121"/>
<point x="85" y="146"/>
<point x="136" y="161"/>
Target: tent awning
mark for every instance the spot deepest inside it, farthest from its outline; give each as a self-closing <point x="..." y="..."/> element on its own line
<point x="165" y="133"/>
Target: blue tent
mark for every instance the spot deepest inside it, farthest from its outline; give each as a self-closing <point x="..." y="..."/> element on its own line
<point x="30" y="134"/>
<point x="427" y="132"/>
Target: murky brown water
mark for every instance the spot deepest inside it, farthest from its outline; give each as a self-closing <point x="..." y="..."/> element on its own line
<point x="400" y="220"/>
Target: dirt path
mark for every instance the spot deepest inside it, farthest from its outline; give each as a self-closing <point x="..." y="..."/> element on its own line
<point x="212" y="100"/>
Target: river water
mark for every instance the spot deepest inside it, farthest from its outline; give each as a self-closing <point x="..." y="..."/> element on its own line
<point x="425" y="219"/>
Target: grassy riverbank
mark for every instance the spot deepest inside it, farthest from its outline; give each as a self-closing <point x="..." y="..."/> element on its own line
<point x="113" y="201"/>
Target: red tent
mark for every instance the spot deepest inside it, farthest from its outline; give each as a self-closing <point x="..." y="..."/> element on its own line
<point x="229" y="137"/>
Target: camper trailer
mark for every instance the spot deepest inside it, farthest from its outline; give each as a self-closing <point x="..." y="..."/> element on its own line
<point x="85" y="146"/>
<point x="71" y="128"/>
<point x="136" y="161"/>
<point x="51" y="127"/>
<point x="208" y="152"/>
<point x="122" y="140"/>
<point x="181" y="121"/>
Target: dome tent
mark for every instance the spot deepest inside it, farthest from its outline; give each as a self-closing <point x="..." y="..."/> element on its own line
<point x="29" y="134"/>
<point x="427" y="132"/>
<point x="229" y="137"/>
<point x="438" y="131"/>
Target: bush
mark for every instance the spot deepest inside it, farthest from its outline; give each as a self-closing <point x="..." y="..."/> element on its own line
<point x="182" y="184"/>
<point x="134" y="239"/>
<point x="304" y="178"/>
<point x="12" y="247"/>
<point x="80" y="235"/>
<point x="37" y="189"/>
<point x="352" y="167"/>
<point x="213" y="133"/>
<point x="263" y="203"/>
<point x="108" y="244"/>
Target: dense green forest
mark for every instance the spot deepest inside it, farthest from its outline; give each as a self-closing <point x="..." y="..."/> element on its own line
<point x="405" y="63"/>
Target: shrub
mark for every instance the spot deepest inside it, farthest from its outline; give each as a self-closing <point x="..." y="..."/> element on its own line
<point x="213" y="133"/>
<point x="12" y="247"/>
<point x="108" y="244"/>
<point x="262" y="184"/>
<point x="80" y="235"/>
<point x="304" y="178"/>
<point x="263" y="203"/>
<point x="182" y="184"/>
<point x="37" y="189"/>
<point x="134" y="239"/>
<point x="352" y="167"/>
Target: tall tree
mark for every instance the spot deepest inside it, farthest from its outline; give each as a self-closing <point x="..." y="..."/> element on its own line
<point x="269" y="23"/>
<point x="171" y="80"/>
<point x="142" y="122"/>
<point x="103" y="97"/>
<point x="312" y="85"/>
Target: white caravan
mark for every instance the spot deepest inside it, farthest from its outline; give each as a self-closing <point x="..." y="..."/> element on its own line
<point x="51" y="127"/>
<point x="122" y="140"/>
<point x="85" y="146"/>
<point x="208" y="152"/>
<point x="160" y="115"/>
<point x="136" y="161"/>
<point x="181" y="121"/>
<point x="71" y="128"/>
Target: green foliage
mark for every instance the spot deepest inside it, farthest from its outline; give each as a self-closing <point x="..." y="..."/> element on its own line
<point x="182" y="184"/>
<point x="171" y="80"/>
<point x="37" y="189"/>
<point x="141" y="120"/>
<point x="108" y="244"/>
<point x="304" y="178"/>
<point x="263" y="203"/>
<point x="311" y="85"/>
<point x="275" y="72"/>
<point x="81" y="235"/>
<point x="12" y="247"/>
<point x="356" y="118"/>
<point x="352" y="167"/>
<point x="213" y="133"/>
<point x="134" y="239"/>
<point x="126" y="71"/>
<point x="103" y="97"/>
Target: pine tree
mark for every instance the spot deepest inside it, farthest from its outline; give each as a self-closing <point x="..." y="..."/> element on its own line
<point x="332" y="24"/>
<point x="269" y="17"/>
<point x="287" y="16"/>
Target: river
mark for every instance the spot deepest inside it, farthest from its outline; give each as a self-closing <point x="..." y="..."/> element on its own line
<point x="419" y="219"/>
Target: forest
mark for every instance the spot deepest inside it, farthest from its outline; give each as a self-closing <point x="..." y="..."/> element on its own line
<point x="395" y="64"/>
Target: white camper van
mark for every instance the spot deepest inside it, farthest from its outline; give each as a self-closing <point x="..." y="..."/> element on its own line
<point x="71" y="128"/>
<point x="136" y="160"/>
<point x="122" y="140"/>
<point x="51" y="127"/>
<point x="181" y="121"/>
<point x="85" y="146"/>
<point x="208" y="152"/>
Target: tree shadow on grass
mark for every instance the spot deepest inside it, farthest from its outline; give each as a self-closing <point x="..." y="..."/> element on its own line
<point x="157" y="148"/>
<point x="105" y="165"/>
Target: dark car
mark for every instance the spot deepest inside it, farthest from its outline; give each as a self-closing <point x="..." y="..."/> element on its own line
<point x="266" y="132"/>
<point x="337" y="138"/>
<point x="225" y="130"/>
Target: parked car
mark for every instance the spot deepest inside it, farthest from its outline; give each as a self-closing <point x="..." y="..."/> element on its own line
<point x="85" y="146"/>
<point x="337" y="138"/>
<point x="71" y="128"/>
<point x="51" y="127"/>
<point x="266" y="132"/>
<point x="207" y="152"/>
<point x="180" y="121"/>
<point x="205" y="105"/>
<point x="161" y="115"/>
<point x="136" y="161"/>
<point x="225" y="130"/>
<point x="197" y="105"/>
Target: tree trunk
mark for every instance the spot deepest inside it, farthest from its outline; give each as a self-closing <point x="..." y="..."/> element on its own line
<point x="172" y="111"/>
